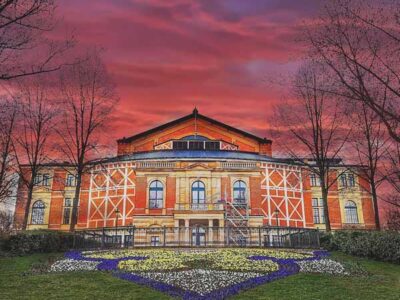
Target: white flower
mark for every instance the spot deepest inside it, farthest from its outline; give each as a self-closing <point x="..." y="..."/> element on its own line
<point x="328" y="266"/>
<point x="66" y="265"/>
<point x="199" y="280"/>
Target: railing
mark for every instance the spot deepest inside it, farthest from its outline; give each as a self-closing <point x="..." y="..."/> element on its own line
<point x="196" y="236"/>
<point x="156" y="164"/>
<point x="199" y="206"/>
<point x="238" y="165"/>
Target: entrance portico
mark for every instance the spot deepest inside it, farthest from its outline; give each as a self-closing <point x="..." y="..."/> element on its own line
<point x="204" y="228"/>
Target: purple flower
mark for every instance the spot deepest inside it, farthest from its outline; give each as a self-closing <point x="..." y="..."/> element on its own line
<point x="286" y="268"/>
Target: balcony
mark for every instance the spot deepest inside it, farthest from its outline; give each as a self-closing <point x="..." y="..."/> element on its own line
<point x="199" y="206"/>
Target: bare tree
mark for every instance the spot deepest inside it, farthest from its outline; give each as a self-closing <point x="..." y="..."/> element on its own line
<point x="370" y="142"/>
<point x="359" y="41"/>
<point x="393" y="219"/>
<point x="24" y="48"/>
<point x="33" y="134"/>
<point x="6" y="223"/>
<point x="8" y="118"/>
<point x="88" y="99"/>
<point x="392" y="175"/>
<point x="313" y="120"/>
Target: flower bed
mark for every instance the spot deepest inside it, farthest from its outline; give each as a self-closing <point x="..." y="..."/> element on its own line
<point x="200" y="274"/>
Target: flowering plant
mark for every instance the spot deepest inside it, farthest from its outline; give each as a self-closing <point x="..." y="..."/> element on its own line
<point x="201" y="274"/>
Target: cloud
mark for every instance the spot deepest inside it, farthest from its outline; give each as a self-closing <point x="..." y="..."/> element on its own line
<point x="168" y="56"/>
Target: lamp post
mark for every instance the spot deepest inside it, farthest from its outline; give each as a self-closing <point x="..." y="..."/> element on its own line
<point x="116" y="211"/>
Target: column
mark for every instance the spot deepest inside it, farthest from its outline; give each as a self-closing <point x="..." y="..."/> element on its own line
<point x="187" y="233"/>
<point x="221" y="232"/>
<point x="210" y="232"/>
<point x="176" y="233"/>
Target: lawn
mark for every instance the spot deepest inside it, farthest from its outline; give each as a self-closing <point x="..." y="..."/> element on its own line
<point x="17" y="282"/>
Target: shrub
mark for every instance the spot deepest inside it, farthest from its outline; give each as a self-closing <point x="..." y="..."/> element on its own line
<point x="379" y="245"/>
<point x="35" y="241"/>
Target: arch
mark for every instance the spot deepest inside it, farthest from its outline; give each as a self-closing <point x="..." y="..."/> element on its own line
<point x="38" y="209"/>
<point x="198" y="192"/>
<point x="350" y="211"/>
<point x="156" y="194"/>
<point x="239" y="192"/>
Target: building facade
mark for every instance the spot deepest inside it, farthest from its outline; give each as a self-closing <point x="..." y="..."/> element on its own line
<point x="195" y="171"/>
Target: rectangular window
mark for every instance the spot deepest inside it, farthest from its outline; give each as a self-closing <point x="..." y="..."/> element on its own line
<point x="42" y="179"/>
<point x="70" y="180"/>
<point x="180" y="145"/>
<point x="67" y="210"/>
<point x="46" y="180"/>
<point x="212" y="145"/>
<point x="351" y="180"/>
<point x="155" y="241"/>
<point x="318" y="211"/>
<point x="343" y="180"/>
<point x="314" y="180"/>
<point x="38" y="179"/>
<point x="196" y="145"/>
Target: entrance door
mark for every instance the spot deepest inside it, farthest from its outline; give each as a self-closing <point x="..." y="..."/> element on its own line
<point x="198" y="236"/>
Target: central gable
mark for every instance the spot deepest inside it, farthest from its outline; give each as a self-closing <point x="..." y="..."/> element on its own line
<point x="194" y="127"/>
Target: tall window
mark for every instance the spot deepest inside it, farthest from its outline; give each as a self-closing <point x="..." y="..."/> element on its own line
<point x="67" y="210"/>
<point x="156" y="192"/>
<point x="314" y="180"/>
<point x="318" y="211"/>
<point x="38" y="212"/>
<point x="239" y="192"/>
<point x="198" y="193"/>
<point x="70" y="180"/>
<point x="343" y="180"/>
<point x="350" y="180"/>
<point x="350" y="211"/>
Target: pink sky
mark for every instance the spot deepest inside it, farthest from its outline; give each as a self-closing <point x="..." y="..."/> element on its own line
<point x="168" y="56"/>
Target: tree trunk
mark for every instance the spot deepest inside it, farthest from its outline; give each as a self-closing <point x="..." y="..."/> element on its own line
<point x="75" y="202"/>
<point x="28" y="204"/>
<point x="375" y="202"/>
<point x="326" y="209"/>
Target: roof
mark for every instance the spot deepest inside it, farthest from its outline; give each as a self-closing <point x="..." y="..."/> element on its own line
<point x="194" y="154"/>
<point x="194" y="114"/>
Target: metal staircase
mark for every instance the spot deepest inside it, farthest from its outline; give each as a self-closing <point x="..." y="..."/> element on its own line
<point x="236" y="223"/>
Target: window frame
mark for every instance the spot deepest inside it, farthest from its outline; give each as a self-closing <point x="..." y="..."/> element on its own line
<point x="351" y="212"/>
<point x="155" y="241"/>
<point x="315" y="181"/>
<point x="197" y="191"/>
<point x="156" y="202"/>
<point x="38" y="213"/>
<point x="242" y="190"/>
<point x="70" y="180"/>
<point x="318" y="210"/>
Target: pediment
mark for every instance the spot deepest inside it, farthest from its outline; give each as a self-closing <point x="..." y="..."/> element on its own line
<point x="198" y="166"/>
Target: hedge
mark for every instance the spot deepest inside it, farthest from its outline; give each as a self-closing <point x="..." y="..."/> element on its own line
<point x="34" y="241"/>
<point x="378" y="245"/>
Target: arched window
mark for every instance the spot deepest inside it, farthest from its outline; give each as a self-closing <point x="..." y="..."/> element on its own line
<point x="239" y="192"/>
<point x="198" y="192"/>
<point x="38" y="212"/>
<point x="350" y="211"/>
<point x="156" y="194"/>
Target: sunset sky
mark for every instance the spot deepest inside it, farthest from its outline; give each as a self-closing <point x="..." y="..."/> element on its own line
<point x="168" y="56"/>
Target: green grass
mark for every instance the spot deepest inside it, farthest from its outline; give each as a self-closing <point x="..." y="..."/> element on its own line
<point x="383" y="282"/>
<point x="74" y="285"/>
